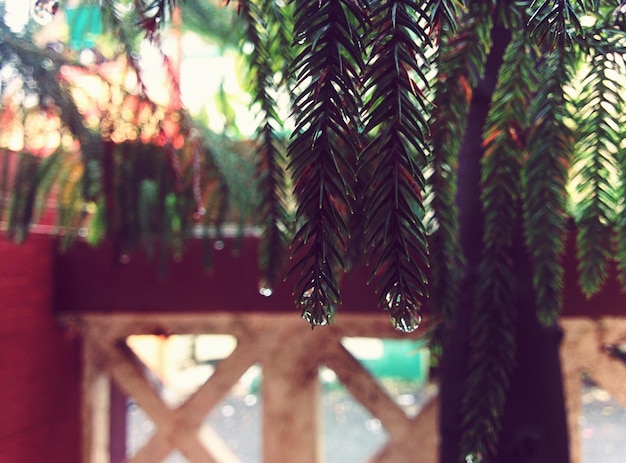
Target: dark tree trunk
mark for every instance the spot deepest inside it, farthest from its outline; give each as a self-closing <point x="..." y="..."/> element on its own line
<point x="534" y="422"/>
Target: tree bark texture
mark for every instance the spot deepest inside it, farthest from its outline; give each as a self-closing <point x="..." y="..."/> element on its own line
<point x="534" y="427"/>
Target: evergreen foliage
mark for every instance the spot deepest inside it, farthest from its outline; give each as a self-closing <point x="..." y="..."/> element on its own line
<point x="493" y="327"/>
<point x="461" y="60"/>
<point x="599" y="109"/>
<point x="380" y="93"/>
<point x="324" y="145"/>
<point x="544" y="178"/>
<point x="396" y="127"/>
<point x="269" y="74"/>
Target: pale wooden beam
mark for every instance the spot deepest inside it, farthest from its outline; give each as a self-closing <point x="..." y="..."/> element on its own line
<point x="290" y="394"/>
<point x="95" y="406"/>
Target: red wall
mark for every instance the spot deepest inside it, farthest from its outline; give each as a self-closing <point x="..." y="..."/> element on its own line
<point x="39" y="362"/>
<point x="91" y="280"/>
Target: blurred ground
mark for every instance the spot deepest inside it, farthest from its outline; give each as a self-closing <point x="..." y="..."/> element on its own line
<point x="351" y="434"/>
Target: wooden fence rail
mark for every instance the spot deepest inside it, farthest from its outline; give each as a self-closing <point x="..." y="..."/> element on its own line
<point x="291" y="355"/>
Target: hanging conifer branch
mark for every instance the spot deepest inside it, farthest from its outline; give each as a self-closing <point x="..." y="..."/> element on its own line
<point x="24" y="188"/>
<point x="42" y="70"/>
<point x="595" y="169"/>
<point x="150" y="18"/>
<point x="544" y="178"/>
<point x="620" y="132"/>
<point x="461" y="61"/>
<point x="325" y="137"/>
<point x="121" y="23"/>
<point x="396" y="121"/>
<point x="444" y="16"/>
<point x="606" y="47"/>
<point x="153" y="15"/>
<point x="556" y="19"/>
<point x="493" y="329"/>
<point x="265" y="26"/>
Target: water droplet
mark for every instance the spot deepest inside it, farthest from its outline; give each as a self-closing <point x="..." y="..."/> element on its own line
<point x="408" y="322"/>
<point x="265" y="289"/>
<point x="405" y="313"/>
<point x="124" y="259"/>
<point x="316" y="308"/>
<point x="405" y="399"/>
<point x="44" y="11"/>
<point x="473" y="458"/>
<point x="247" y="48"/>
<point x="374" y="426"/>
<point x="87" y="57"/>
<point x="47" y="64"/>
<point x="228" y="411"/>
<point x="199" y="214"/>
<point x="218" y="245"/>
<point x="250" y="400"/>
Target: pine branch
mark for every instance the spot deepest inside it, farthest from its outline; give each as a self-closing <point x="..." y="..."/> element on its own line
<point x="557" y="19"/>
<point x="27" y="190"/>
<point x="325" y="137"/>
<point x="41" y="69"/>
<point x="273" y="209"/>
<point x="70" y="199"/>
<point x="493" y="329"/>
<point x="444" y="15"/>
<point x="605" y="46"/>
<point x="264" y="31"/>
<point x="595" y="167"/>
<point x="620" y="128"/>
<point x="544" y="176"/>
<point x="226" y="178"/>
<point x="461" y="62"/>
<point x="145" y="200"/>
<point x="396" y="120"/>
<point x="153" y="14"/>
<point x="211" y="20"/>
<point x="122" y="24"/>
<point x="23" y="192"/>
